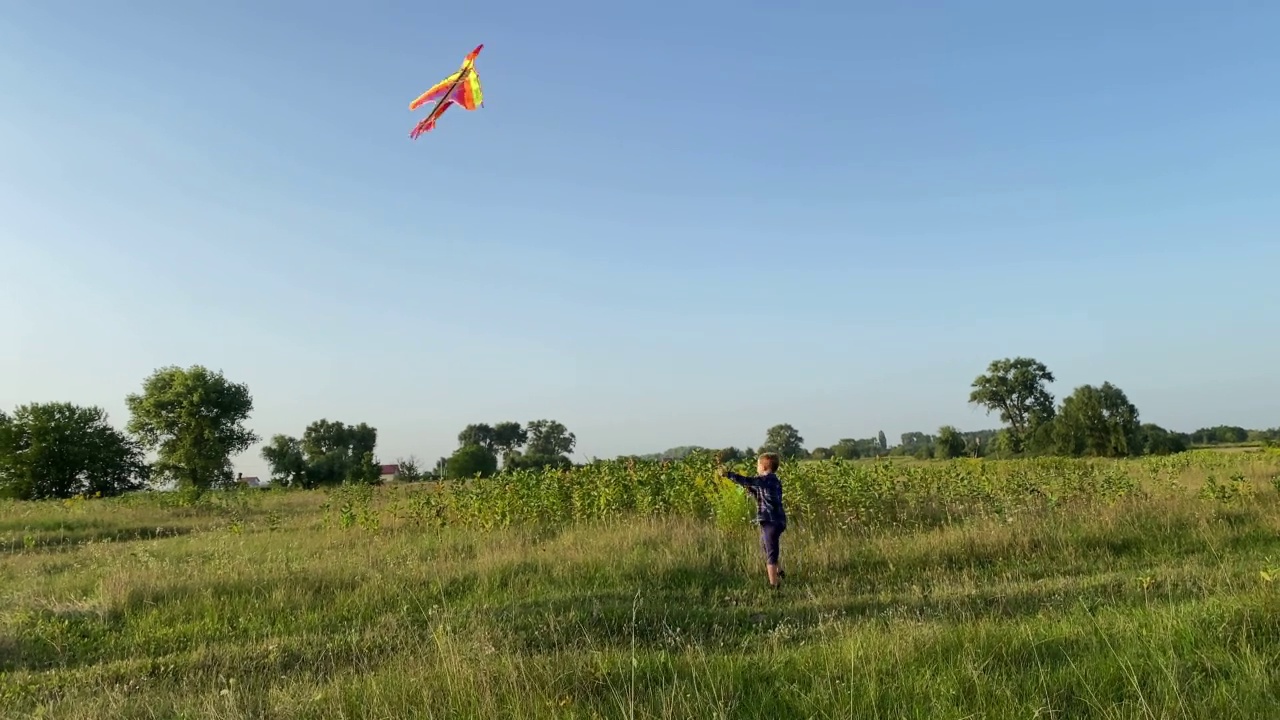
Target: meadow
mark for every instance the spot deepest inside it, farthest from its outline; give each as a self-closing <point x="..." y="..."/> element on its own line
<point x="1045" y="588"/>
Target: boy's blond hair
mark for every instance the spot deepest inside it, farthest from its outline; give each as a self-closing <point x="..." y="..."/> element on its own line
<point x="771" y="460"/>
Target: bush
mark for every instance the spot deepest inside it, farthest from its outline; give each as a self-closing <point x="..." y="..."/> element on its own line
<point x="469" y="461"/>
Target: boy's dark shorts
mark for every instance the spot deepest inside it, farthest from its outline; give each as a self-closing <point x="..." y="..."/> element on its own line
<point x="769" y="533"/>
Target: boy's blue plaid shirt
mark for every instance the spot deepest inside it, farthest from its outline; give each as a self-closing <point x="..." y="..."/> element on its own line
<point x="767" y="490"/>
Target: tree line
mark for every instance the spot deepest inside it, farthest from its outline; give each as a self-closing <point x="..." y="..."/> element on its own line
<point x="191" y="421"/>
<point x="1094" y="421"/>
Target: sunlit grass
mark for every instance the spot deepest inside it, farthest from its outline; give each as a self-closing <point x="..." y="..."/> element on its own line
<point x="1163" y="603"/>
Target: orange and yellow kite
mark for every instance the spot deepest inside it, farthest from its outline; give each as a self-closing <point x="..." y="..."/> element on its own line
<point x="461" y="88"/>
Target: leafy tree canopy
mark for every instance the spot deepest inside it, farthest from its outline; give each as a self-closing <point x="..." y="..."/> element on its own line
<point x="1017" y="389"/>
<point x="194" y="419"/>
<point x="785" y="440"/>
<point x="60" y="450"/>
<point x="471" y="461"/>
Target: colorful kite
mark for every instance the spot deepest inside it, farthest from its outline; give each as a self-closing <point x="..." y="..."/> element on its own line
<point x="461" y="88"/>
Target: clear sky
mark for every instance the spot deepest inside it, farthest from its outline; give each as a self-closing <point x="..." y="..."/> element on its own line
<point x="673" y="222"/>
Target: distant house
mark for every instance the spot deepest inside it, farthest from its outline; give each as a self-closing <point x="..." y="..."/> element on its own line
<point x="251" y="481"/>
<point x="389" y="472"/>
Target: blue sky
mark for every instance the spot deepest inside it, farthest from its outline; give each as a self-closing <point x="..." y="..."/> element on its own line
<point x="672" y="223"/>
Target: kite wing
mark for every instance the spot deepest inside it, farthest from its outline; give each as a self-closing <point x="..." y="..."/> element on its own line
<point x="461" y="88"/>
<point x="445" y="86"/>
<point x="465" y="91"/>
<point x="436" y="91"/>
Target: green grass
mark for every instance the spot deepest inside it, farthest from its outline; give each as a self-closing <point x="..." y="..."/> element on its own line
<point x="1159" y="603"/>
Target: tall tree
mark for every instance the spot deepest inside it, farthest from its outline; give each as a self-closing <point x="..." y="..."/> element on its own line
<point x="287" y="461"/>
<point x="915" y="443"/>
<point x="548" y="444"/>
<point x="549" y="438"/>
<point x="329" y="453"/>
<point x="1159" y="441"/>
<point x="950" y="443"/>
<point x="409" y="469"/>
<point x="729" y="454"/>
<point x="470" y="461"/>
<point x="883" y="442"/>
<point x="1016" y="388"/>
<point x="60" y="450"/>
<point x="194" y="419"/>
<point x="1098" y="421"/>
<point x="1220" y="434"/>
<point x="481" y="434"/>
<point x="508" y="437"/>
<point x="846" y="449"/>
<point x="785" y="440"/>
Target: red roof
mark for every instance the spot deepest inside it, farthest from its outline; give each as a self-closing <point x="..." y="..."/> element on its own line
<point x="390" y="469"/>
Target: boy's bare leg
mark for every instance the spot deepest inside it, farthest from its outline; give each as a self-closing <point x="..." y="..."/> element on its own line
<point x="774" y="572"/>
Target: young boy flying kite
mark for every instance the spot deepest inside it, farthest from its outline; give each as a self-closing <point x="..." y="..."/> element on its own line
<point x="766" y="488"/>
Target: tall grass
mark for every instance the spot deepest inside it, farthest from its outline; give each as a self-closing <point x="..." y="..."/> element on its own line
<point x="1051" y="589"/>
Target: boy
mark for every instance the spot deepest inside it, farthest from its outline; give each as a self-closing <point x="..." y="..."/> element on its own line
<point x="766" y="488"/>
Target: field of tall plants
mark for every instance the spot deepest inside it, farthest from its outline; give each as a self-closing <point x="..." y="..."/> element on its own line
<point x="971" y="588"/>
<point x="857" y="495"/>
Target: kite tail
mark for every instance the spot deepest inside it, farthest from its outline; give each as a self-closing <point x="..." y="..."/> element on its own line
<point x="422" y="127"/>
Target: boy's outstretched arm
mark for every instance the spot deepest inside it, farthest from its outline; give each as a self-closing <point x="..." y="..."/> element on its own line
<point x="745" y="480"/>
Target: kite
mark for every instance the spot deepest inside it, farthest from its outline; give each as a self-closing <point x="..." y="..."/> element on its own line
<point x="460" y="88"/>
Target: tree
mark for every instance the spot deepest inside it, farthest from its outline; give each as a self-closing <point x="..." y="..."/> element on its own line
<point x="915" y="444"/>
<point x="477" y="434"/>
<point x="729" y="455"/>
<point x="508" y="437"/>
<point x="368" y="471"/>
<point x="338" y="453"/>
<point x="329" y="453"/>
<point x="950" y="443"/>
<point x="1159" y="441"/>
<point x="1219" y="435"/>
<point x="503" y="439"/>
<point x="1099" y="422"/>
<point x="820" y="453"/>
<point x="60" y="450"/>
<point x="676" y="453"/>
<point x="409" y="469"/>
<point x="534" y="461"/>
<point x="287" y="461"/>
<point x="846" y="449"/>
<point x="1017" y="389"/>
<point x="784" y="440"/>
<point x="194" y="419"/>
<point x="883" y="442"/>
<point x="549" y="438"/>
<point x="470" y="461"/>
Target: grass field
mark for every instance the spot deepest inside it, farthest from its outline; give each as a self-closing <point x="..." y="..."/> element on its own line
<point x="966" y="589"/>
